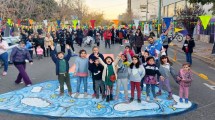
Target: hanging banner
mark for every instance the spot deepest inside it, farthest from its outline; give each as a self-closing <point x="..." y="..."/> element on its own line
<point x="74" y="22"/>
<point x="116" y="23"/>
<point x="9" y="22"/>
<point x="178" y="29"/>
<point x="58" y="23"/>
<point x="19" y="22"/>
<point x="136" y="22"/>
<point x="92" y="23"/>
<point x="146" y="29"/>
<point x="45" y="22"/>
<point x="205" y="20"/>
<point x="30" y="22"/>
<point x="167" y="21"/>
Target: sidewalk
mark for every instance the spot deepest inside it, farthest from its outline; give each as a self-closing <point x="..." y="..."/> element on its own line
<point x="202" y="51"/>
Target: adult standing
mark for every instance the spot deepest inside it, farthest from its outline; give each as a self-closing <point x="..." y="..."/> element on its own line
<point x="29" y="45"/>
<point x="48" y="43"/>
<point x="62" y="41"/>
<point x="139" y="41"/>
<point x="188" y="46"/>
<point x="3" y="54"/>
<point x="112" y="37"/>
<point x="41" y="43"/>
<point x="107" y="37"/>
<point x="121" y="36"/>
<point x="93" y="58"/>
<point x="18" y="56"/>
<point x="131" y="39"/>
<point x="80" y="36"/>
<point x="69" y="40"/>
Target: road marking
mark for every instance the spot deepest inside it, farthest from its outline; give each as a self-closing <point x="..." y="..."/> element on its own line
<point x="212" y="68"/>
<point x="210" y="86"/>
<point x="201" y="75"/>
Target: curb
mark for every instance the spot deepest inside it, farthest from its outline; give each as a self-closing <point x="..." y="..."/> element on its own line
<point x="202" y="58"/>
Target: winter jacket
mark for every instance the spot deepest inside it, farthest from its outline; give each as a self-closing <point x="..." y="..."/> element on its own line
<point x="105" y="71"/>
<point x="56" y="60"/>
<point x="188" y="46"/>
<point x="107" y="35"/>
<point x="139" y="41"/>
<point x="48" y="42"/>
<point x="19" y="55"/>
<point x="136" y="74"/>
<point x="187" y="76"/>
<point x="122" y="68"/>
<point x="166" y="72"/>
<point x="96" y="71"/>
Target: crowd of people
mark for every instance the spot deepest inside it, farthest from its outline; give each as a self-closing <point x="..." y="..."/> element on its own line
<point x="150" y="66"/>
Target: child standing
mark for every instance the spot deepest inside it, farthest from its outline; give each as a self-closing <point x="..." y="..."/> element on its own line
<point x="109" y="75"/>
<point x="39" y="52"/>
<point x="81" y="71"/>
<point x="184" y="78"/>
<point x="62" y="68"/>
<point x="96" y="69"/>
<point x="143" y="57"/>
<point x="166" y="70"/>
<point x="150" y="78"/>
<point x="122" y="73"/>
<point x="97" y="40"/>
<point x="136" y="72"/>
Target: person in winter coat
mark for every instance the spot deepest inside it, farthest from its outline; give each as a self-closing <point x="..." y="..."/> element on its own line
<point x="136" y="72"/>
<point x="107" y="37"/>
<point x="188" y="46"/>
<point x="18" y="56"/>
<point x="139" y="41"/>
<point x="122" y="73"/>
<point x="3" y="54"/>
<point x="62" y="68"/>
<point x="48" y="42"/>
<point x="166" y="71"/>
<point x="184" y="78"/>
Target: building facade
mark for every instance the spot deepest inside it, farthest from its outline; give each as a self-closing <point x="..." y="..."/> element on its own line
<point x="143" y="10"/>
<point x="170" y="7"/>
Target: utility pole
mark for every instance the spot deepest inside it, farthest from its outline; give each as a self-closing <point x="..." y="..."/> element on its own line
<point x="159" y="18"/>
<point x="147" y="4"/>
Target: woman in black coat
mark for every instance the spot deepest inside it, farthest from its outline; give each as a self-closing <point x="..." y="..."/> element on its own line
<point x="139" y="41"/>
<point x="188" y="46"/>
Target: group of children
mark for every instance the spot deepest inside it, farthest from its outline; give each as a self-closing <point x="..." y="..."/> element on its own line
<point x="126" y="67"/>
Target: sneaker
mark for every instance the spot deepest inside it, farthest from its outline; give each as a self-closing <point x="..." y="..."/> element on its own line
<point x="186" y="100"/>
<point x="70" y="93"/>
<point x="76" y="95"/>
<point x="103" y="97"/>
<point x="116" y="97"/>
<point x="147" y="99"/>
<point x="158" y="93"/>
<point x="21" y="82"/>
<point x="131" y="100"/>
<point x="61" y="94"/>
<point x="122" y="45"/>
<point x="169" y="97"/>
<point x="139" y="100"/>
<point x="181" y="100"/>
<point x="155" y="99"/>
<point x="85" y="95"/>
<point x="4" y="73"/>
<point x="28" y="85"/>
<point x="93" y="95"/>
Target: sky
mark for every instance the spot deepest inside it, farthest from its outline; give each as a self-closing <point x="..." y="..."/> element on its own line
<point x="110" y="8"/>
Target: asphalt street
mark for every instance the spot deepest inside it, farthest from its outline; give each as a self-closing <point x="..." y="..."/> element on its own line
<point x="201" y="91"/>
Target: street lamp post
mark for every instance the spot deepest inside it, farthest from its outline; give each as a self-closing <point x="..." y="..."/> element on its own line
<point x="159" y="19"/>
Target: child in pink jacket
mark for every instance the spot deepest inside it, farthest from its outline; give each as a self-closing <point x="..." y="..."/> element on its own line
<point x="184" y="78"/>
<point x="39" y="52"/>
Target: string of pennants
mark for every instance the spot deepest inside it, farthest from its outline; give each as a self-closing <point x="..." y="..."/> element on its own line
<point x="52" y="25"/>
